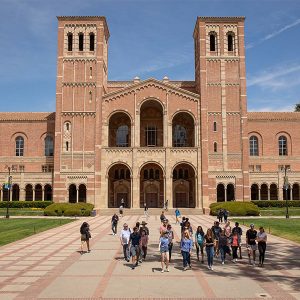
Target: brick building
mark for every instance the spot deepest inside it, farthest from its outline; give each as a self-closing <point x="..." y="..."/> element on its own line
<point x="191" y="142"/>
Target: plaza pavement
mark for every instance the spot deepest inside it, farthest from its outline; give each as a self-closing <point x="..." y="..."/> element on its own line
<point x="49" y="266"/>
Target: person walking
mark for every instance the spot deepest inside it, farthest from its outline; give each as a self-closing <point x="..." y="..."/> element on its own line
<point x="144" y="243"/>
<point x="225" y="214"/>
<point x="189" y="228"/>
<point x="124" y="238"/>
<point x="223" y="245"/>
<point x="239" y="231"/>
<point x="134" y="242"/>
<point x="164" y="250"/>
<point x="144" y="227"/>
<point x="121" y="210"/>
<point x="177" y="215"/>
<point x="199" y="242"/>
<point x="216" y="230"/>
<point x="162" y="216"/>
<point x="163" y="226"/>
<point x="146" y="210"/>
<point x="122" y="202"/>
<point x="262" y="245"/>
<point x="166" y="205"/>
<point x="85" y="236"/>
<point x="251" y="236"/>
<point x="114" y="223"/>
<point x="220" y="215"/>
<point x="209" y="243"/>
<point x="171" y="238"/>
<point x="186" y="246"/>
<point x="235" y="242"/>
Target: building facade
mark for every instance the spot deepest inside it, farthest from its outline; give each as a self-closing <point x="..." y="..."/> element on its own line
<point x="189" y="142"/>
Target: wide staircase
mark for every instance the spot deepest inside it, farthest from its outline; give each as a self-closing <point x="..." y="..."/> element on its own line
<point x="151" y="211"/>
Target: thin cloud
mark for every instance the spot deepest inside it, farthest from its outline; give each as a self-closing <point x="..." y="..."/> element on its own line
<point x="278" y="77"/>
<point x="273" y="34"/>
<point x="287" y="108"/>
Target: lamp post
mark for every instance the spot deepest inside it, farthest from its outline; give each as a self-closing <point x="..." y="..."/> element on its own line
<point x="8" y="186"/>
<point x="285" y="170"/>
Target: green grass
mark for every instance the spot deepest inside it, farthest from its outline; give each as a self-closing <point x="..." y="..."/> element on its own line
<point x="279" y="211"/>
<point x="22" y="212"/>
<point x="17" y="229"/>
<point x="286" y="228"/>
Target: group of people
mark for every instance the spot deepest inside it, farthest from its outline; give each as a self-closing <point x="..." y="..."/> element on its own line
<point x="217" y="241"/>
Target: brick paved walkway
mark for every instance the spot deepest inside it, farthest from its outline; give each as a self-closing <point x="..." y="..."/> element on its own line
<point x="49" y="266"/>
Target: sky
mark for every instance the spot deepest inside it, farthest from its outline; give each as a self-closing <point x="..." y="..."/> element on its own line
<point x="149" y="38"/>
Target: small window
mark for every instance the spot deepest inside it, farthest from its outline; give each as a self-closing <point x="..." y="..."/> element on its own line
<point x="253" y="146"/>
<point x="49" y="147"/>
<point x="80" y="36"/>
<point x="91" y="72"/>
<point x="157" y="174"/>
<point x="122" y="174"/>
<point x="117" y="174"/>
<point x="67" y="126"/>
<point x="44" y="168"/>
<point x="215" y="126"/>
<point x="70" y="42"/>
<point x="67" y="146"/>
<point x="212" y="42"/>
<point x="215" y="147"/>
<point x="146" y="174"/>
<point x="19" y="146"/>
<point x="151" y="175"/>
<point x="92" y="42"/>
<point x="21" y="168"/>
<point x="151" y="136"/>
<point x="186" y="174"/>
<point x="180" y="175"/>
<point x="230" y="42"/>
<point x="258" y="168"/>
<point x="175" y="174"/>
<point x="90" y="96"/>
<point x="282" y="145"/>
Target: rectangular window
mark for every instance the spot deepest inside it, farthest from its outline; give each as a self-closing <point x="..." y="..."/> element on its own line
<point x="251" y="168"/>
<point x="21" y="168"/>
<point x="44" y="168"/>
<point x="151" y="136"/>
<point x="258" y="168"/>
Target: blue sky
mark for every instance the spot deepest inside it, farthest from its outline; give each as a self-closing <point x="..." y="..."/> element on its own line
<point x="149" y="39"/>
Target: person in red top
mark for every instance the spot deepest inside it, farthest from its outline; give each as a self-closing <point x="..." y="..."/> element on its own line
<point x="235" y="243"/>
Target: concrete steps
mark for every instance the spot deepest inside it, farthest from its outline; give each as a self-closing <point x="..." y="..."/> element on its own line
<point x="151" y="211"/>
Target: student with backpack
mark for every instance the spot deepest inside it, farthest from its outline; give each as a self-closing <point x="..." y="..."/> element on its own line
<point x="85" y="236"/>
<point x="114" y="223"/>
<point x="199" y="242"/>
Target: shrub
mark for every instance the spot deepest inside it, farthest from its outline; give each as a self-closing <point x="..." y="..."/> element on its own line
<point x="69" y="209"/>
<point x="235" y="208"/>
<point x="276" y="203"/>
<point x="25" y="204"/>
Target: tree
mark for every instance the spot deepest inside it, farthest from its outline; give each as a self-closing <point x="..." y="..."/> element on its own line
<point x="297" y="107"/>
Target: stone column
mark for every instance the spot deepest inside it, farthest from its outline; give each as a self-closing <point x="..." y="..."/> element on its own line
<point x="136" y="191"/>
<point x="225" y="193"/>
<point x="291" y="193"/>
<point x="268" y="193"/>
<point x="1" y="195"/>
<point x="10" y="194"/>
<point x="259" y="194"/>
<point x="77" y="194"/>
<point x="33" y="194"/>
<point x="43" y="194"/>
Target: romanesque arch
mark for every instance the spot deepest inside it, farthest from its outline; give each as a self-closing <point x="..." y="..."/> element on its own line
<point x="264" y="192"/>
<point x="15" y="192"/>
<point x="184" y="186"/>
<point x="38" y="192"/>
<point x="151" y="185"/>
<point x="183" y="130"/>
<point x="230" y="192"/>
<point x="119" y="130"/>
<point x="47" y="192"/>
<point x="254" y="192"/>
<point x="82" y="193"/>
<point x="273" y="192"/>
<point x="151" y="124"/>
<point x="119" y="186"/>
<point x="72" y="193"/>
<point x="28" y="192"/>
<point x="296" y="191"/>
<point x="220" y="192"/>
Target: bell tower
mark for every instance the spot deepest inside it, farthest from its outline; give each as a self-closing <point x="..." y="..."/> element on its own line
<point x="80" y="86"/>
<point x="220" y="77"/>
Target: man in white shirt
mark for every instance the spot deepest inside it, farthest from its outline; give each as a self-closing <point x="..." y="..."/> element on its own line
<point x="124" y="238"/>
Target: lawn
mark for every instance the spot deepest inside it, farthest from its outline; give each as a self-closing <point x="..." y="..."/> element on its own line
<point x="279" y="211"/>
<point x="22" y="211"/>
<point x="16" y="229"/>
<point x="286" y="228"/>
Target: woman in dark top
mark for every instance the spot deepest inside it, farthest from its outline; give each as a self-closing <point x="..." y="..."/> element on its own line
<point x="85" y="236"/>
<point x="209" y="247"/>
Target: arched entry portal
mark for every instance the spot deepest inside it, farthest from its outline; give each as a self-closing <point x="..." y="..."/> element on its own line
<point x="254" y="192"/>
<point x="151" y="186"/>
<point x="184" y="186"/>
<point x="220" y="192"/>
<point x="119" y="186"/>
<point x="230" y="192"/>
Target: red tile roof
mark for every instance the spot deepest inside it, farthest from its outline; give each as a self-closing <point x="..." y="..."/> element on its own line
<point x="27" y="116"/>
<point x="273" y="116"/>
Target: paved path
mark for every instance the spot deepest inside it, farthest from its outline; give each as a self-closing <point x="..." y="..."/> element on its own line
<point x="49" y="266"/>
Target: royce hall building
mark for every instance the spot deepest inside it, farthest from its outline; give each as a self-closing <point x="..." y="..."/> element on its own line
<point x="189" y="142"/>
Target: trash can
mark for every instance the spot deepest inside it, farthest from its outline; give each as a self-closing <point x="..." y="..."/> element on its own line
<point x="93" y="213"/>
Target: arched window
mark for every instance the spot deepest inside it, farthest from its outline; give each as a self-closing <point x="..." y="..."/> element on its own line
<point x="146" y="174"/>
<point x="282" y="145"/>
<point x="253" y="145"/>
<point x="151" y="175"/>
<point x="47" y="192"/>
<point x="156" y="174"/>
<point x="92" y="42"/>
<point x="49" y="148"/>
<point x="215" y="147"/>
<point x="175" y="175"/>
<point x="67" y="146"/>
<point x="212" y="41"/>
<point x="230" y="42"/>
<point x="67" y="126"/>
<point x="15" y="192"/>
<point x="82" y="193"/>
<point x="70" y="41"/>
<point x="19" y="146"/>
<point x="122" y="136"/>
<point x="180" y="136"/>
<point x="215" y="126"/>
<point x="80" y="38"/>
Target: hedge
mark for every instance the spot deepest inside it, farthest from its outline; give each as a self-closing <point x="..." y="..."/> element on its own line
<point x="276" y="203"/>
<point x="25" y="204"/>
<point x="69" y="209"/>
<point x="235" y="208"/>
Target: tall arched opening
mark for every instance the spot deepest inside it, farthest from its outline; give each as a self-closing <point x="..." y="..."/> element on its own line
<point x="151" y="186"/>
<point x="183" y="130"/>
<point x="273" y="192"/>
<point x="287" y="193"/>
<point x="119" y="186"/>
<point x="264" y="192"/>
<point x="28" y="192"/>
<point x="184" y="186"/>
<point x="82" y="193"/>
<point x="15" y="192"/>
<point x="151" y="124"/>
<point x="254" y="192"/>
<point x="220" y="192"/>
<point x="296" y="191"/>
<point x="47" y="192"/>
<point x="38" y="192"/>
<point x="230" y="192"/>
<point x="72" y="193"/>
<point x="119" y="130"/>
